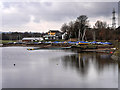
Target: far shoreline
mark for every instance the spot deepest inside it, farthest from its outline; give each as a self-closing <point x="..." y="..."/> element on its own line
<point x="115" y="55"/>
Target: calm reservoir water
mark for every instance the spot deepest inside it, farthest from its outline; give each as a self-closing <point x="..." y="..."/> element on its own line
<point x="57" y="69"/>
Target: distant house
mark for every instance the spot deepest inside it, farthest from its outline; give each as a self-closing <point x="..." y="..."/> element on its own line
<point x="32" y="39"/>
<point x="54" y="32"/>
<point x="53" y="35"/>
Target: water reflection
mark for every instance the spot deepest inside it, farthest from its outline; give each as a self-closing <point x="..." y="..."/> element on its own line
<point x="57" y="69"/>
<point x="82" y="62"/>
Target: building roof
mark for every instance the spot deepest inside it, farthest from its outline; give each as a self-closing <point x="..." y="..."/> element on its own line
<point x="31" y="38"/>
<point x="53" y="31"/>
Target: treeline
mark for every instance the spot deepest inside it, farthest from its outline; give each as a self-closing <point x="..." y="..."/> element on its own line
<point x="81" y="30"/>
<point x="19" y="35"/>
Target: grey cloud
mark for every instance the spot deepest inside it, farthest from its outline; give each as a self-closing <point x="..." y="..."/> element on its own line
<point x="15" y="20"/>
<point x="73" y="10"/>
<point x="104" y="8"/>
<point x="48" y="3"/>
<point x="56" y="12"/>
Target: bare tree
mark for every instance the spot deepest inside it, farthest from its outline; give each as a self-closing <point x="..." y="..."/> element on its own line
<point x="64" y="28"/>
<point x="100" y="25"/>
<point x="83" y="23"/>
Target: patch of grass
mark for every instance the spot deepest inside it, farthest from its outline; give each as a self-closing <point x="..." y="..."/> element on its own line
<point x="117" y="53"/>
<point x="6" y="41"/>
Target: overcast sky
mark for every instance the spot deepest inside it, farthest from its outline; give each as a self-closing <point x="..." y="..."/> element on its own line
<point x="43" y="16"/>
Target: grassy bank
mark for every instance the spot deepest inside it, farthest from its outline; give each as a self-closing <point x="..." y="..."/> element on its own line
<point x="117" y="45"/>
<point x="7" y="41"/>
<point x="117" y="53"/>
